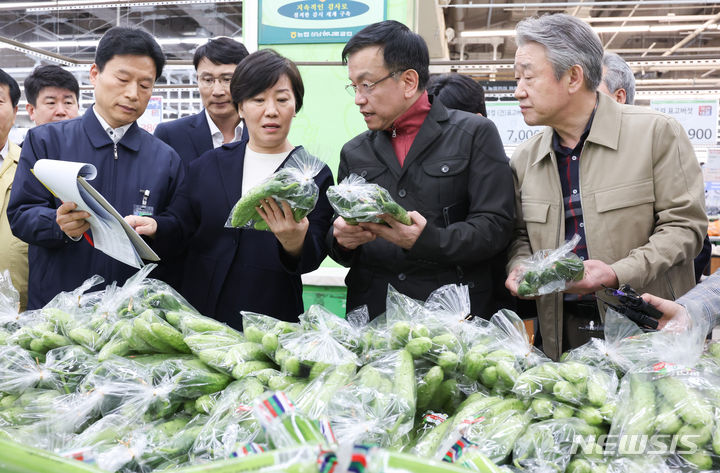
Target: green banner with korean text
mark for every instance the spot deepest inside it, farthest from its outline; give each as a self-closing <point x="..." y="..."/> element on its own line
<point x="315" y="21"/>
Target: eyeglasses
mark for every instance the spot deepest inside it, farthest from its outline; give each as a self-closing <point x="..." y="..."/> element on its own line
<point x="365" y="89"/>
<point x="208" y="81"/>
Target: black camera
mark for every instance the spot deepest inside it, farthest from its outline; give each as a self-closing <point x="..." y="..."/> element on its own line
<point x="632" y="306"/>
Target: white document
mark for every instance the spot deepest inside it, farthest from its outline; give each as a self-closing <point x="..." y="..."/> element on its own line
<point x="110" y="233"/>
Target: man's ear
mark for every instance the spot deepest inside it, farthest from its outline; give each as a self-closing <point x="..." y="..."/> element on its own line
<point x="94" y="71"/>
<point x="620" y="95"/>
<point x="412" y="80"/>
<point x="31" y="111"/>
<point x="576" y="78"/>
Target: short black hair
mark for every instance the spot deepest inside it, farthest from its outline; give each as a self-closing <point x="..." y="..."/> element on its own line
<point x="459" y="92"/>
<point x="221" y="51"/>
<point x="49" y="76"/>
<point x="6" y="79"/>
<point x="260" y="71"/>
<point x="120" y="40"/>
<point x="402" y="49"/>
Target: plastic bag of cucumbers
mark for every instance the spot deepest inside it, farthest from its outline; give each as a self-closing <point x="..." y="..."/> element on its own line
<point x="293" y="183"/>
<point x="548" y="271"/>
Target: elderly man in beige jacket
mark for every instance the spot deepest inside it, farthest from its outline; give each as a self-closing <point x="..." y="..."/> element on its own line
<point x="13" y="252"/>
<point x="624" y="178"/>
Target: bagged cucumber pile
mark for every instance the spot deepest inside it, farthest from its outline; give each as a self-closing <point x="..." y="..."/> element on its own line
<point x="357" y="200"/>
<point x="133" y="379"/>
<point x="293" y="183"/>
<point x="549" y="271"/>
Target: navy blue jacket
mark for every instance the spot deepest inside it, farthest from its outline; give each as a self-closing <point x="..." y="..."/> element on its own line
<point x="56" y="262"/>
<point x="227" y="269"/>
<point x="189" y="136"/>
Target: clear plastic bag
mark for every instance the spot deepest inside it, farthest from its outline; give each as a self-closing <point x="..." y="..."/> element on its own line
<point x="293" y="183"/>
<point x="343" y="331"/>
<point x="303" y="351"/>
<point x="357" y="200"/>
<point x="68" y="367"/>
<point x="230" y="424"/>
<point x="284" y="424"/>
<point x="623" y="345"/>
<point x="265" y="330"/>
<point x="40" y="331"/>
<point x="496" y="359"/>
<point x="19" y="371"/>
<point x="569" y="382"/>
<point x="378" y="404"/>
<point x="168" y="441"/>
<point x="230" y="353"/>
<point x="190" y="377"/>
<point x="317" y="395"/>
<point x="549" y="271"/>
<point x="9" y="299"/>
<point x="671" y="411"/>
<point x="547" y="446"/>
<point x="426" y="331"/>
<point x="496" y="430"/>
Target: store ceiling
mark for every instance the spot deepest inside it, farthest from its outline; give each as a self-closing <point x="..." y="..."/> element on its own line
<point x="670" y="44"/>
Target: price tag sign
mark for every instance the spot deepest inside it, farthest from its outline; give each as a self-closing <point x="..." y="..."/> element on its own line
<point x="153" y="115"/>
<point x="698" y="117"/>
<point x="510" y="123"/>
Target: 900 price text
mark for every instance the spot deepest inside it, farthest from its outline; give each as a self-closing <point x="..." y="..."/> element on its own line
<point x="700" y="133"/>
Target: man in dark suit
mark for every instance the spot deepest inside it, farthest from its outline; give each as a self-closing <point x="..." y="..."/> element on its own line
<point x="447" y="167"/>
<point x="136" y="172"/>
<point x="218" y="122"/>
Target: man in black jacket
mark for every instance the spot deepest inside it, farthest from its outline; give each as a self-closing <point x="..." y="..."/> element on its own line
<point x="446" y="166"/>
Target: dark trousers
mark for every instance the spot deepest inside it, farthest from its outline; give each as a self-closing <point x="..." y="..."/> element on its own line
<point x="581" y="322"/>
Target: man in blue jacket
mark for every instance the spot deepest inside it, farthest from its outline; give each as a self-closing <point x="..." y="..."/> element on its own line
<point x="137" y="173"/>
<point x="218" y="122"/>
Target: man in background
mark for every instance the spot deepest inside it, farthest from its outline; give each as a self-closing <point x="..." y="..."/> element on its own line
<point x="218" y="122"/>
<point x="459" y="92"/>
<point x="52" y="95"/>
<point x="13" y="252"/>
<point x="618" y="80"/>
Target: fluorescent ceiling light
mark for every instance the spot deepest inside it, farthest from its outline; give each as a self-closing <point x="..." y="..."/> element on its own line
<point x="83" y="43"/>
<point x="601" y="29"/>
<point x="33" y="7"/>
<point x="486" y="33"/>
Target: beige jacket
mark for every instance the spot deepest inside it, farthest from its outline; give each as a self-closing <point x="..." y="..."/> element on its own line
<point x="643" y="204"/>
<point x="13" y="252"/>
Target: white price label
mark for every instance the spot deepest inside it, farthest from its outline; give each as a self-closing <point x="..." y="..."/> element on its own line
<point x="153" y="115"/>
<point x="510" y="123"/>
<point x="698" y="117"/>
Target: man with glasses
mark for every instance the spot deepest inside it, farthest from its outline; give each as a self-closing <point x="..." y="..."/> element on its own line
<point x="218" y="122"/>
<point x="447" y="167"/>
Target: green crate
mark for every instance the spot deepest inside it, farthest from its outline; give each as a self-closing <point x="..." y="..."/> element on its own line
<point x="330" y="297"/>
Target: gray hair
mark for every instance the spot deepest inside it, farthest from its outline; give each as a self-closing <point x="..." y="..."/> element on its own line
<point x="619" y="76"/>
<point x="568" y="41"/>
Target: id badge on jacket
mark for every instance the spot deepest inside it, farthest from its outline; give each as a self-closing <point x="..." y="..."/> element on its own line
<point x="143" y="210"/>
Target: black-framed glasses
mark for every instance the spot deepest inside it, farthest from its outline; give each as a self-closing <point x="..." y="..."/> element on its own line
<point x="208" y="80"/>
<point x="365" y="89"/>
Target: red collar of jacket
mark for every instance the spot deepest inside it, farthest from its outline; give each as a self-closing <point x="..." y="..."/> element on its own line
<point x="406" y="127"/>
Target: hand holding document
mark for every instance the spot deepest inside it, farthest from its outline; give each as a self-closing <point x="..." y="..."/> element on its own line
<point x="111" y="234"/>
